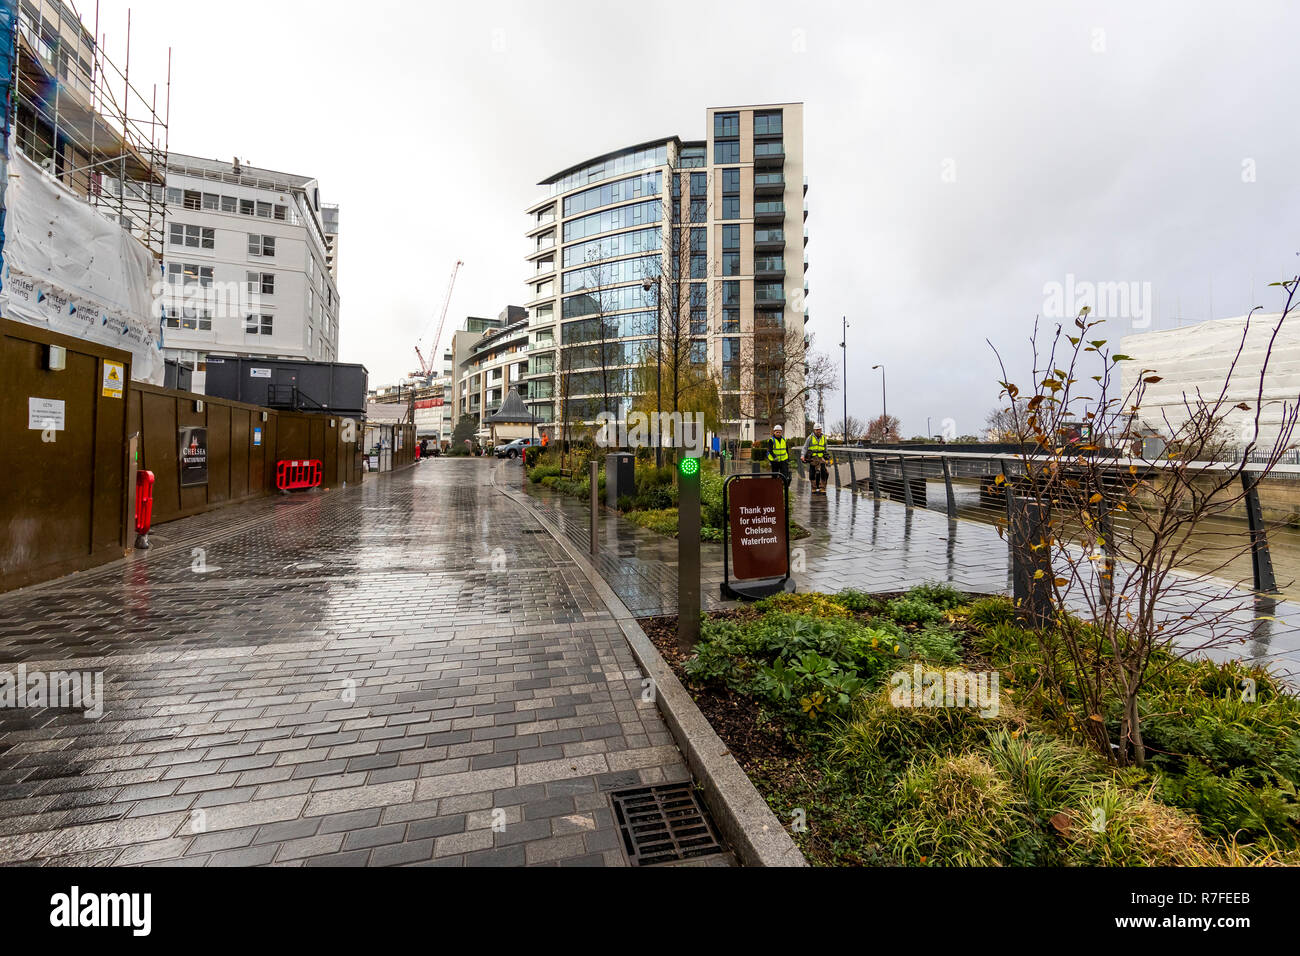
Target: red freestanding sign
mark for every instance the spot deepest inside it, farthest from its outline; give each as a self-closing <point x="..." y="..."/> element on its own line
<point x="756" y="539"/>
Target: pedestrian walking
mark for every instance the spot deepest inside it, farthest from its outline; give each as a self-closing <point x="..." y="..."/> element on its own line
<point x="815" y="456"/>
<point x="778" y="455"/>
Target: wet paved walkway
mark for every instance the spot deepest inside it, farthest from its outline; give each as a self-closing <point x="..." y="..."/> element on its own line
<point x="412" y="671"/>
<point x="875" y="546"/>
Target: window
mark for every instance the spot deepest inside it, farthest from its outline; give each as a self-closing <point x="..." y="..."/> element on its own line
<point x="261" y="283"/>
<point x="767" y="124"/>
<point x="731" y="294"/>
<point x="699" y="210"/>
<point x="730" y="207"/>
<point x="699" y="184"/>
<point x="246" y="207"/>
<point x="264" y="210"/>
<point x="211" y="201"/>
<point x="731" y="321"/>
<point x="258" y="324"/>
<point x="699" y="353"/>
<point x="193" y="199"/>
<point x="699" y="266"/>
<point x="726" y="124"/>
<point x="730" y="351"/>
<point x="692" y="156"/>
<point x="193" y="319"/>
<point x="731" y="263"/>
<point x="698" y="241"/>
<point x="731" y="182"/>
<point x="699" y="295"/>
<point x="647" y="184"/>
<point x="229" y="204"/>
<point x="195" y="237"/>
<point x="281" y="212"/>
<point x="261" y="245"/>
<point x="726" y="152"/>
<point x="174" y="195"/>
<point x="699" y="321"/>
<point x="618" y="218"/>
<point x="189" y="273"/>
<point x="730" y="237"/>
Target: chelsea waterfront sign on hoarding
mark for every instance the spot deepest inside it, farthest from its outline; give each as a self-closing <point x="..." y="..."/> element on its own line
<point x="194" y="455"/>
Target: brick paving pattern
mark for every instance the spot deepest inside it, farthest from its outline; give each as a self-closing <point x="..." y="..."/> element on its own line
<point x="408" y="672"/>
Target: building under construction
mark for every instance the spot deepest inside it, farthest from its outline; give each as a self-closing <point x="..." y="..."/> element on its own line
<point x="79" y="116"/>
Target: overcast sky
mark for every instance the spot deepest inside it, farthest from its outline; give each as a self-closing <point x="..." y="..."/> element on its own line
<point x="960" y="156"/>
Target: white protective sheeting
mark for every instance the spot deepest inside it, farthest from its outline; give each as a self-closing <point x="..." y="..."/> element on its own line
<point x="69" y="269"/>
<point x="1199" y="357"/>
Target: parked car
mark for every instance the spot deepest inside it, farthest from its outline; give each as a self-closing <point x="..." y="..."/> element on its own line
<point x="515" y="448"/>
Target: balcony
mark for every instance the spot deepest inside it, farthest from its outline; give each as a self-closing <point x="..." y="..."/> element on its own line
<point x="769" y="297"/>
<point x="769" y="184"/>
<point x="769" y="267"/>
<point x="769" y="240"/>
<point x="769" y="211"/>
<point x="768" y="155"/>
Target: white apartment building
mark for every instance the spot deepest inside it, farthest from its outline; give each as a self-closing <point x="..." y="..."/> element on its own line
<point x="250" y="263"/>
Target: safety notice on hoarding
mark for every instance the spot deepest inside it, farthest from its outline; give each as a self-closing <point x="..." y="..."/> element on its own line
<point x="45" y="414"/>
<point x="114" y="380"/>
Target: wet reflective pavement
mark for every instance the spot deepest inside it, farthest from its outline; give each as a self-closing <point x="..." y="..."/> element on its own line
<point x="408" y="672"/>
<point x="882" y="546"/>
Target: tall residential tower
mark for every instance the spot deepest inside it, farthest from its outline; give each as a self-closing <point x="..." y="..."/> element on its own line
<point x="701" y="240"/>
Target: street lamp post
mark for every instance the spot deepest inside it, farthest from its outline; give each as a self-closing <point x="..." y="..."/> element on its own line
<point x="659" y="370"/>
<point x="844" y="359"/>
<point x="884" y="404"/>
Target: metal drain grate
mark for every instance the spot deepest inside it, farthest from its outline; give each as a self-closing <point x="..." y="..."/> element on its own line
<point x="663" y="824"/>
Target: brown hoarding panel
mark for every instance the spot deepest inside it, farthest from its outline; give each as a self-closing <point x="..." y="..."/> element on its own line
<point x="241" y="440"/>
<point x="758" y="528"/>
<point x="61" y="486"/>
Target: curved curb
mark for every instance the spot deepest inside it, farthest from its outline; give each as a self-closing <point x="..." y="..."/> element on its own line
<point x="741" y="813"/>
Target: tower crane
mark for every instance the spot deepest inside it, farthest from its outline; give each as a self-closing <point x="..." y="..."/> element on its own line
<point x="427" y="367"/>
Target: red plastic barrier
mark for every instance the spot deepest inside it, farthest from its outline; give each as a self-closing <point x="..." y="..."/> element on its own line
<point x="296" y="475"/>
<point x="143" y="501"/>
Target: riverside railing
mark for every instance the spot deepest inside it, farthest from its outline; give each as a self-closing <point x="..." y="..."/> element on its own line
<point x="896" y="472"/>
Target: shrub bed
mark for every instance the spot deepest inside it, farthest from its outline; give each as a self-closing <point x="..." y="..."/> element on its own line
<point x="810" y="692"/>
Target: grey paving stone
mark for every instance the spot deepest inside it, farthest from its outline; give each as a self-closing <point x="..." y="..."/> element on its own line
<point x="234" y="722"/>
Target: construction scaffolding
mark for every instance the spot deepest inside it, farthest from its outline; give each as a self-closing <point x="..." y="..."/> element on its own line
<point x="78" y="116"/>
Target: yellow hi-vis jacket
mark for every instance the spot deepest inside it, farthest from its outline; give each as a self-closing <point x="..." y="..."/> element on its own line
<point x="777" y="450"/>
<point x="815" y="447"/>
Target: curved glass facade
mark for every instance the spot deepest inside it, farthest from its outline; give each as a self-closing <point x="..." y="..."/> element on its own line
<point x="628" y="162"/>
<point x="686" y="215"/>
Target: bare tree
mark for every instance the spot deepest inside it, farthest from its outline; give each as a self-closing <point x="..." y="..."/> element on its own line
<point x="676" y="376"/>
<point x="1114" y="528"/>
<point x="852" y="429"/>
<point x="599" y="300"/>
<point x="1006" y="422"/>
<point x="784" y="373"/>
<point x="884" y="428"/>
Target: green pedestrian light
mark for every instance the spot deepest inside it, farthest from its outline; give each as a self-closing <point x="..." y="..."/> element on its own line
<point x="689" y="467"/>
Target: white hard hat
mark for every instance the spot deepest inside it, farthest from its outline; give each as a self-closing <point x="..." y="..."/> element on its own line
<point x="777" y="428"/>
<point x="817" y="427"/>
